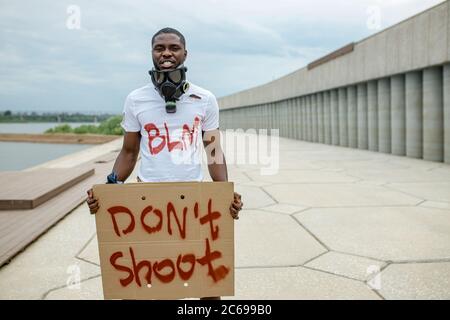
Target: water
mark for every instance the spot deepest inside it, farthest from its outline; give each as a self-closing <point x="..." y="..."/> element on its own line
<point x="35" y="127"/>
<point x="22" y="155"/>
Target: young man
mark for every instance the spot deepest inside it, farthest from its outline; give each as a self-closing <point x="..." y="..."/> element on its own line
<point x="164" y="120"/>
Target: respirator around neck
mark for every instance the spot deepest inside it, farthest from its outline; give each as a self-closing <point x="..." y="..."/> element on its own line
<point x="171" y="85"/>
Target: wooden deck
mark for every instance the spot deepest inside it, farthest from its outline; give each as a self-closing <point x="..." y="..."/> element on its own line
<point x="19" y="228"/>
<point x="27" y="190"/>
<point x="57" y="138"/>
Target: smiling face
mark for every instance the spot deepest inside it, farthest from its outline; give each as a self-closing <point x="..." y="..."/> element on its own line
<point x="168" y="51"/>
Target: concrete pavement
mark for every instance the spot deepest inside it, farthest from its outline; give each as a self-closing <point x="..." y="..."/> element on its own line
<point x="333" y="223"/>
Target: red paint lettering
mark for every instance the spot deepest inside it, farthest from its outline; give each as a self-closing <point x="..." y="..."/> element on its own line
<point x="112" y="260"/>
<point x="137" y="268"/>
<point x="158" y="213"/>
<point x="120" y="209"/>
<point x="186" y="135"/>
<point x="209" y="217"/>
<point x="189" y="258"/>
<point x="196" y="210"/>
<point x="150" y="127"/>
<point x="182" y="229"/>
<point x="187" y="132"/>
<point x="174" y="144"/>
<point x="158" y="266"/>
<point x="218" y="273"/>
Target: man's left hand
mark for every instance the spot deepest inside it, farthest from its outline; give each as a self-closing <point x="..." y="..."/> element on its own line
<point x="236" y="206"/>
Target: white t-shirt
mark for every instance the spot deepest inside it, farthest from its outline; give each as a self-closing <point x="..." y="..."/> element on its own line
<point x="171" y="143"/>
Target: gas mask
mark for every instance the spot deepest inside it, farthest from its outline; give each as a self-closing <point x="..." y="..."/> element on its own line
<point x="171" y="85"/>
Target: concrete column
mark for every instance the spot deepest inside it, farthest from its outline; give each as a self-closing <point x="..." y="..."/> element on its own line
<point x="352" y="119"/>
<point x="282" y="106"/>
<point x="447" y="113"/>
<point x="278" y="117"/>
<point x="433" y="114"/>
<point x="372" y="114"/>
<point x="273" y="115"/>
<point x="286" y="119"/>
<point x="326" y="118"/>
<point x="314" y="118"/>
<point x="334" y="117"/>
<point x="261" y="116"/>
<point x="308" y="118"/>
<point x="320" y="117"/>
<point x="362" y="116"/>
<point x="247" y="118"/>
<point x="414" y="114"/>
<point x="343" y="126"/>
<point x="398" y="115"/>
<point x="304" y="120"/>
<point x="264" y="119"/>
<point x="384" y="115"/>
<point x="297" y="119"/>
<point x="290" y="118"/>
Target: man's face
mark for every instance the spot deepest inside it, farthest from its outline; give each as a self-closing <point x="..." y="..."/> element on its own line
<point x="168" y="51"/>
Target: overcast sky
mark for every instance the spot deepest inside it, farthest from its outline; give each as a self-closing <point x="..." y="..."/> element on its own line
<point x="52" y="61"/>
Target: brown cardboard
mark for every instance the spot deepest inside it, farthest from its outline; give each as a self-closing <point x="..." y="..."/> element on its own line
<point x="155" y="244"/>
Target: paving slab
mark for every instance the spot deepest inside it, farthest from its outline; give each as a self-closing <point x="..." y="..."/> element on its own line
<point x="90" y="251"/>
<point x="384" y="233"/>
<point x="338" y="195"/>
<point x="297" y="283"/>
<point x="434" y="191"/>
<point x="402" y="175"/>
<point x="253" y="197"/>
<point x="50" y="261"/>
<point x="90" y="289"/>
<point x="416" y="281"/>
<point x="351" y="266"/>
<point x="260" y="240"/>
<point x="302" y="176"/>
<point x="284" y="208"/>
<point x="436" y="204"/>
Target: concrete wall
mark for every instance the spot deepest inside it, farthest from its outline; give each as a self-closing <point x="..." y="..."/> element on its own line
<point x="391" y="94"/>
<point x="413" y="44"/>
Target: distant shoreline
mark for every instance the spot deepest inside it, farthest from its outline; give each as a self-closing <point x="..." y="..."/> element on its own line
<point x="67" y="138"/>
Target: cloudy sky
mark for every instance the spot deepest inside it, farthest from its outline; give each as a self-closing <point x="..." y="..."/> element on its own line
<point x="52" y="61"/>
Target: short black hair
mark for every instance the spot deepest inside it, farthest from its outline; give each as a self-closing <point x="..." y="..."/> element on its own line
<point x="169" y="30"/>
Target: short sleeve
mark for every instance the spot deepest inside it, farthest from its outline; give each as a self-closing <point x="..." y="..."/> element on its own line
<point x="129" y="121"/>
<point x="211" y="114"/>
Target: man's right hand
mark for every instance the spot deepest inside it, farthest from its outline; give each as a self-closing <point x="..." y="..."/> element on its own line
<point x="92" y="202"/>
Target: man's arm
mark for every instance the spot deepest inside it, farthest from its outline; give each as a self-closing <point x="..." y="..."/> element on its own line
<point x="124" y="165"/>
<point x="127" y="158"/>
<point x="217" y="166"/>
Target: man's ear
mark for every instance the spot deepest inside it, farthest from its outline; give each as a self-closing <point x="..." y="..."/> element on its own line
<point x="185" y="54"/>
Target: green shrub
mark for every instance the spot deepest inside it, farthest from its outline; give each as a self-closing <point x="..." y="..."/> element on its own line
<point x="63" y="128"/>
<point x="86" y="128"/>
<point x="110" y="126"/>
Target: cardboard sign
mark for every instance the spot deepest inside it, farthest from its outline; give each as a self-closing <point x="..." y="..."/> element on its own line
<point x="165" y="240"/>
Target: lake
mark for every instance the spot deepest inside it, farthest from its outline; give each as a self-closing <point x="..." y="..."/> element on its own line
<point x="35" y="127"/>
<point x="22" y="155"/>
